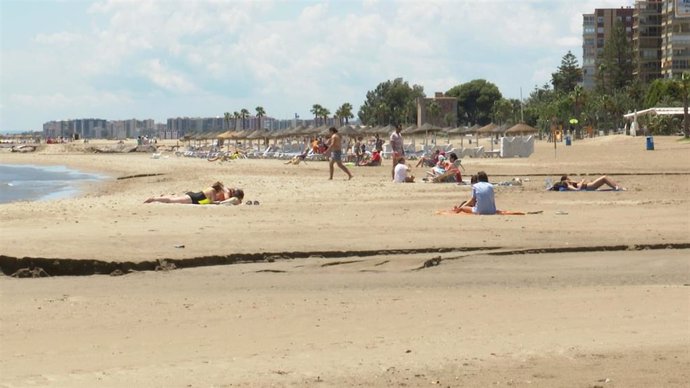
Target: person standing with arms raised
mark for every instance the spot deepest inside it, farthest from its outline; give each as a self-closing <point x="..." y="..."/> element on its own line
<point x="397" y="149"/>
<point x="335" y="149"/>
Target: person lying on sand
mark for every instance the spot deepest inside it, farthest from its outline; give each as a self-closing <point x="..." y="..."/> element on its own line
<point x="217" y="194"/>
<point x="566" y="184"/>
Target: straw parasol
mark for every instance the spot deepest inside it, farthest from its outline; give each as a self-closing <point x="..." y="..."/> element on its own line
<point x="487" y="129"/>
<point x="426" y="128"/>
<point x="521" y="129"/>
<point x="411" y="129"/>
<point x="348" y="130"/>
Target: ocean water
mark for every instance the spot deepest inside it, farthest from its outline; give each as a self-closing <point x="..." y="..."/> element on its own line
<point x="36" y="183"/>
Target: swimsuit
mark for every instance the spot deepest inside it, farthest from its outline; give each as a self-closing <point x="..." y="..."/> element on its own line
<point x="198" y="198"/>
<point x="337" y="156"/>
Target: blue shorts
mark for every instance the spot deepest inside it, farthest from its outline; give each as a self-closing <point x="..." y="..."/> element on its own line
<point x="337" y="156"/>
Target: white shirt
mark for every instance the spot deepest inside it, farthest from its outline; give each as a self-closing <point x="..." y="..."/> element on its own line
<point x="400" y="173"/>
<point x="396" y="142"/>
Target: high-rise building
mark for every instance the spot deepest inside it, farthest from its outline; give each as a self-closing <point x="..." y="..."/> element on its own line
<point x="646" y="41"/>
<point x="597" y="27"/>
<point x="675" y="38"/>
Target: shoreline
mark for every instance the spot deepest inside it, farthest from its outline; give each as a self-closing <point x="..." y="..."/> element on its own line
<point x="67" y="188"/>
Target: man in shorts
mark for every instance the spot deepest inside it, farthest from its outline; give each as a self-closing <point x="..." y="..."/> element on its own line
<point x="397" y="149"/>
<point x="335" y="149"/>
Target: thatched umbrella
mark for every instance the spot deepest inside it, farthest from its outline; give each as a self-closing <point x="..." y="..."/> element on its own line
<point x="521" y="129"/>
<point x="411" y="129"/>
<point x="348" y="130"/>
<point x="425" y="129"/>
<point x="487" y="129"/>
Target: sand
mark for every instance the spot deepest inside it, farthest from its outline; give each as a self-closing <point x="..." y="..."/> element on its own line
<point x="601" y="299"/>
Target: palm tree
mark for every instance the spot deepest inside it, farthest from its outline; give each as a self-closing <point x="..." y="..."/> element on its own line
<point x="236" y="116"/>
<point x="227" y="116"/>
<point x="325" y="113"/>
<point x="316" y="111"/>
<point x="244" y="114"/>
<point x="345" y="112"/>
<point x="260" y="112"/>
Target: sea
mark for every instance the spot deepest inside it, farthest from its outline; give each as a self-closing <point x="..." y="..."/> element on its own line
<point x="39" y="183"/>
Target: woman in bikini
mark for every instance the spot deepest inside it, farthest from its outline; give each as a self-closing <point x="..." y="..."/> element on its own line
<point x="214" y="195"/>
<point x="568" y="185"/>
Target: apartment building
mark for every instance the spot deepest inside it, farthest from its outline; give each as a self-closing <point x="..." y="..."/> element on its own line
<point x="597" y="27"/>
<point x="675" y="38"/>
<point x="647" y="23"/>
<point x="660" y="37"/>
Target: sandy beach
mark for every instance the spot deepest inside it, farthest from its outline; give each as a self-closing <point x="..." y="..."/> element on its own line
<point x="353" y="283"/>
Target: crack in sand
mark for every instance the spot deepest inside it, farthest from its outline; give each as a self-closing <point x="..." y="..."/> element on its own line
<point x="75" y="267"/>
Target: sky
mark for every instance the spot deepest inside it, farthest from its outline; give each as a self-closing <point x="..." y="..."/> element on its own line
<point x="156" y="59"/>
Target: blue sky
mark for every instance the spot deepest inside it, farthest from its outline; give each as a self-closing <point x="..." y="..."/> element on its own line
<point x="115" y="59"/>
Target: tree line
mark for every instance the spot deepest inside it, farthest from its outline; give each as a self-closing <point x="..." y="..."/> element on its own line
<point x="562" y="101"/>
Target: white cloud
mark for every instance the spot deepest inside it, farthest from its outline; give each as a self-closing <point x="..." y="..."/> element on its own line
<point x="166" y="78"/>
<point x="60" y="38"/>
<point x="287" y="55"/>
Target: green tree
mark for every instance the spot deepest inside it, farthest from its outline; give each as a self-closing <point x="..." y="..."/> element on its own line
<point x="475" y="100"/>
<point x="236" y="115"/>
<point x="577" y="97"/>
<point x="316" y="110"/>
<point x="616" y="63"/>
<point x="683" y="85"/>
<point x="345" y="112"/>
<point x="260" y="112"/>
<point x="227" y="117"/>
<point x="568" y="76"/>
<point x="325" y="113"/>
<point x="244" y="113"/>
<point x="392" y="102"/>
<point x="502" y="111"/>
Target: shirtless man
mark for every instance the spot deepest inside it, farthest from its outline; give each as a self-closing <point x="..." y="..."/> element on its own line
<point x="396" y="142"/>
<point x="335" y="149"/>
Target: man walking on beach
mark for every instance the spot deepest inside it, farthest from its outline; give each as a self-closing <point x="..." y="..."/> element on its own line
<point x="396" y="147"/>
<point x="335" y="149"/>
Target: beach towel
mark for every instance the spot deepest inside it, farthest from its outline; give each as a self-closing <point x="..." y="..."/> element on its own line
<point x="452" y="212"/>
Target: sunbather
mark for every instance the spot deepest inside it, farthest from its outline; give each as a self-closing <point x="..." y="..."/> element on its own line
<point x="482" y="201"/>
<point x="400" y="173"/>
<point x="375" y="159"/>
<point x="299" y="158"/>
<point x="566" y="184"/>
<point x="448" y="172"/>
<point x="429" y="161"/>
<point x="217" y="194"/>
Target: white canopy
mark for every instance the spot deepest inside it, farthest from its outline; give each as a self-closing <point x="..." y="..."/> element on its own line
<point x="655" y="111"/>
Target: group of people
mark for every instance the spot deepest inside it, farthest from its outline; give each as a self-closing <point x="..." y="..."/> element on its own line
<point x="442" y="170"/>
<point x="483" y="199"/>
